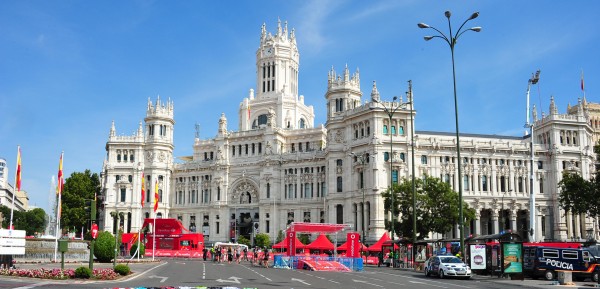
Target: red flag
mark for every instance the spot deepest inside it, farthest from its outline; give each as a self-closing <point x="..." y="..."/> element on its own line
<point x="248" y="111"/>
<point x="582" y="85"/>
<point x="18" y="175"/>
<point x="143" y="189"/>
<point x="156" y="196"/>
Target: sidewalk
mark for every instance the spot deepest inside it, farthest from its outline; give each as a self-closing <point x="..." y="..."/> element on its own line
<point x="528" y="282"/>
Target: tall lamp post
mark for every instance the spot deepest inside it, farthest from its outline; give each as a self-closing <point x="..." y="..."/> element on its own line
<point x="362" y="158"/>
<point x="451" y="40"/>
<point x="412" y="147"/>
<point x="390" y="112"/>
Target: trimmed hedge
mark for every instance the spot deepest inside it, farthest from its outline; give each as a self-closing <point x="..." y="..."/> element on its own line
<point x="83" y="272"/>
<point x="104" y="248"/>
<point x="122" y="269"/>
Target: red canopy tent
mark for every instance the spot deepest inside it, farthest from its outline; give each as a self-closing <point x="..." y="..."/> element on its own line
<point x="321" y="243"/>
<point x="377" y="246"/>
<point x="281" y="245"/>
<point x="344" y="247"/>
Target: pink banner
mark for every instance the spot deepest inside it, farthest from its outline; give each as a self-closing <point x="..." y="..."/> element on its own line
<point x="353" y="245"/>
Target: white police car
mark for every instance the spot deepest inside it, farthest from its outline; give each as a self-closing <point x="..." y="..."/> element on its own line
<point x="446" y="266"/>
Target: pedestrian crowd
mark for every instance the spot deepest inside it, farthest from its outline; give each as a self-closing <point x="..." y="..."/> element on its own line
<point x="236" y="254"/>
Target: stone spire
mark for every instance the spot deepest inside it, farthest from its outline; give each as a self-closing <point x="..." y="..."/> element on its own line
<point x="222" y="124"/>
<point x="553" y="109"/>
<point x="374" y="93"/>
<point x="113" y="131"/>
<point x="140" y="131"/>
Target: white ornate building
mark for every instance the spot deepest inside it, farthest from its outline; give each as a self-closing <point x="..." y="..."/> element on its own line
<point x="279" y="167"/>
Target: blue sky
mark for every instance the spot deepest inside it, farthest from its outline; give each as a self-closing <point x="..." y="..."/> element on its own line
<point x="69" y="68"/>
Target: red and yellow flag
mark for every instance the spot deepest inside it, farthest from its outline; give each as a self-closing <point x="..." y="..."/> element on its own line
<point x="18" y="174"/>
<point x="156" y="196"/>
<point x="143" y="189"/>
<point x="59" y="186"/>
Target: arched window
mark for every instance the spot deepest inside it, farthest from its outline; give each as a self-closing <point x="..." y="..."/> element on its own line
<point x="385" y="129"/>
<point x="423" y="160"/>
<point x="302" y="123"/>
<point x="401" y="130"/>
<point x="386" y="156"/>
<point x="402" y="157"/>
<point x="393" y="129"/>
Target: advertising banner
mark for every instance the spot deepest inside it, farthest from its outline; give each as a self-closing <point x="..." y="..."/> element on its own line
<point x="512" y="262"/>
<point x="478" y="258"/>
<point x="290" y="245"/>
<point x="353" y="249"/>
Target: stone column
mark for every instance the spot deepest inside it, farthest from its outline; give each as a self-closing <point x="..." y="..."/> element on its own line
<point x="478" y="221"/>
<point x="513" y="220"/>
<point x="495" y="221"/>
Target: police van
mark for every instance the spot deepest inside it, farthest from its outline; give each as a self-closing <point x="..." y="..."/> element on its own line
<point x="547" y="261"/>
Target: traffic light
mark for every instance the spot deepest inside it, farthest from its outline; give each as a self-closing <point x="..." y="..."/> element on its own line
<point x="255" y="227"/>
<point x="90" y="209"/>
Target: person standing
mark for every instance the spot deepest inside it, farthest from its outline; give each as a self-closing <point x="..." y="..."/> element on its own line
<point x="380" y="258"/>
<point x="204" y="253"/>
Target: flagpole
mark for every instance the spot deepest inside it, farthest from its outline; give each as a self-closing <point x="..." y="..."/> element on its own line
<point x="17" y="185"/>
<point x="143" y="191"/>
<point x="154" y="236"/>
<point x="58" y="205"/>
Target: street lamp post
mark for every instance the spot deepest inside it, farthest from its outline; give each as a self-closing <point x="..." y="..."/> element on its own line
<point x="412" y="142"/>
<point x="451" y="40"/>
<point x="390" y="112"/>
<point x="362" y="158"/>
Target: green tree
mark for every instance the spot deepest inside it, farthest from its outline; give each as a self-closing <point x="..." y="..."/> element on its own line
<point x="437" y="207"/>
<point x="77" y="188"/>
<point x="262" y="240"/>
<point x="32" y="221"/>
<point x="243" y="240"/>
<point x="304" y="238"/>
<point x="280" y="237"/>
<point x="576" y="194"/>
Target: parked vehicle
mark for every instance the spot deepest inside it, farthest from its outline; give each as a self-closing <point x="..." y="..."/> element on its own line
<point x="446" y="266"/>
<point x="546" y="261"/>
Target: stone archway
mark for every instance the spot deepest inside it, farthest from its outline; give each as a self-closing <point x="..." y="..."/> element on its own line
<point x="245" y="193"/>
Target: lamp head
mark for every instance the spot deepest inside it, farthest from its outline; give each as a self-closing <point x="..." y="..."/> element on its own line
<point x="427" y="38"/>
<point x="448" y="14"/>
<point x="423" y="25"/>
<point x="476" y="29"/>
<point x="474" y="15"/>
<point x="394" y="99"/>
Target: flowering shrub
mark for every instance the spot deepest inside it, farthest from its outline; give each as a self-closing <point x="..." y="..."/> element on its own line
<point x="58" y="274"/>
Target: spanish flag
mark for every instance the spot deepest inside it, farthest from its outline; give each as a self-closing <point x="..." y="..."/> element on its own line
<point x="143" y="189"/>
<point x="18" y="174"/>
<point x="156" y="196"/>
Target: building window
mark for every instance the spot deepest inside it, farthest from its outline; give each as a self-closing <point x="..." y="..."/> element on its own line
<point x="393" y="129"/>
<point x="395" y="176"/>
<point x="339" y="184"/>
<point x="268" y="191"/>
<point x="402" y="157"/>
<point x="484" y="185"/>
<point x="423" y="160"/>
<point x="385" y="129"/>
<point x="386" y="156"/>
<point x="401" y="130"/>
<point x="123" y="194"/>
<point x="466" y="182"/>
<point x="339" y="162"/>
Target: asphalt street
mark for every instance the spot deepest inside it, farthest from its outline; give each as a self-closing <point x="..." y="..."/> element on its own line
<point x="195" y="273"/>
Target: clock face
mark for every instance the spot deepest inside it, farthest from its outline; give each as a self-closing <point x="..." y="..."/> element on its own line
<point x="269" y="51"/>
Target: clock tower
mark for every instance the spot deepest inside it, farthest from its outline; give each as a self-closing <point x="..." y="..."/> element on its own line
<point x="277" y="63"/>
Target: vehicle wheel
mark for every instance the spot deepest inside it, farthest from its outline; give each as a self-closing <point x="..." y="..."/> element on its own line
<point x="595" y="277"/>
<point x="468" y="277"/>
<point x="549" y="275"/>
<point x="442" y="274"/>
<point x="427" y="272"/>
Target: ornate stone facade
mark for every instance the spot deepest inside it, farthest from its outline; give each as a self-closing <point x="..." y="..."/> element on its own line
<point x="278" y="167"/>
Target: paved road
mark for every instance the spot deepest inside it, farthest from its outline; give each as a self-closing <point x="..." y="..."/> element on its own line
<point x="192" y="273"/>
